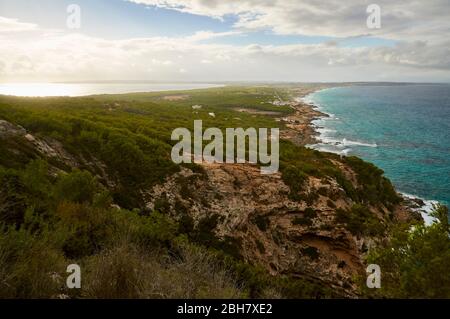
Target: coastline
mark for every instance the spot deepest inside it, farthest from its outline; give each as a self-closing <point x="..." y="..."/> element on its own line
<point x="302" y="131"/>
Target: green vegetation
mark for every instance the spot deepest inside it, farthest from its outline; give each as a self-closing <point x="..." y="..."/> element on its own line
<point x="375" y="187"/>
<point x="302" y="221"/>
<point x="306" y="219"/>
<point x="58" y="210"/>
<point x="415" y="262"/>
<point x="296" y="164"/>
<point x="262" y="222"/>
<point x="312" y="252"/>
<point x="86" y="204"/>
<point x="124" y="254"/>
<point x="360" y="221"/>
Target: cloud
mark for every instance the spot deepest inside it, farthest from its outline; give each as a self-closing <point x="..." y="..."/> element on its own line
<point x="207" y="35"/>
<point x="413" y="19"/>
<point x="46" y="55"/>
<point x="13" y="25"/>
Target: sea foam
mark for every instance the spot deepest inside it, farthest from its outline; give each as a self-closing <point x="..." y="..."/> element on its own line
<point x="425" y="210"/>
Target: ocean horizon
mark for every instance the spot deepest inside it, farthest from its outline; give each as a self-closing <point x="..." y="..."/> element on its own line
<point x="73" y="89"/>
<point x="404" y="130"/>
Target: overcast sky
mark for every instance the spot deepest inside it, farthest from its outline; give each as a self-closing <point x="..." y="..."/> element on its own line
<point x="227" y="40"/>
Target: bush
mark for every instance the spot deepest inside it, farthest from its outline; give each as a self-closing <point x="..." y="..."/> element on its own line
<point x="331" y="204"/>
<point x="310" y="212"/>
<point x="295" y="179"/>
<point x="30" y="265"/>
<point x="302" y="221"/>
<point x="376" y="188"/>
<point x="360" y="221"/>
<point x="88" y="229"/>
<point x="262" y="222"/>
<point x="260" y="246"/>
<point x="77" y="186"/>
<point x="416" y="261"/>
<point x="310" y="251"/>
<point x="13" y="199"/>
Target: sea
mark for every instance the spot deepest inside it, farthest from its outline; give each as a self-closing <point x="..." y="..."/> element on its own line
<point x="82" y="89"/>
<point x="403" y="129"/>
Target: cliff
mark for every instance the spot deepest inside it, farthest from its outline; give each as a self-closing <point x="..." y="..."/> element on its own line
<point x="315" y="220"/>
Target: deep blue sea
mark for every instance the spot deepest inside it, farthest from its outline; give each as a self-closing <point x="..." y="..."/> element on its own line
<point x="405" y="130"/>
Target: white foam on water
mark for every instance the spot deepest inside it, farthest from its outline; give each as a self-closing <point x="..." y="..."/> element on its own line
<point x="330" y="144"/>
<point x="348" y="142"/>
<point x="336" y="149"/>
<point x="328" y="141"/>
<point x="425" y="210"/>
<point x="324" y="131"/>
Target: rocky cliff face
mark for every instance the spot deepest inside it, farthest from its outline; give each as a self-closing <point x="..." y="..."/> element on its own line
<point x="286" y="237"/>
<point x="253" y="213"/>
<point x="18" y="144"/>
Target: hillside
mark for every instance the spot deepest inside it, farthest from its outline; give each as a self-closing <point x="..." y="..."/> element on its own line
<point x="89" y="180"/>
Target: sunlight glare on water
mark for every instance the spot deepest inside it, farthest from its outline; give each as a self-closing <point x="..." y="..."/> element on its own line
<point x="82" y="89"/>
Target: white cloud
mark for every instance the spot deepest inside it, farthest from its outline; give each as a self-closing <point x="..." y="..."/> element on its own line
<point x="13" y="25"/>
<point x="48" y="55"/>
<point x="159" y="62"/>
<point x="413" y="19"/>
<point x="207" y="35"/>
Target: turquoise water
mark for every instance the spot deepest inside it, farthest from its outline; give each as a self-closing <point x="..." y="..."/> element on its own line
<point x="405" y="130"/>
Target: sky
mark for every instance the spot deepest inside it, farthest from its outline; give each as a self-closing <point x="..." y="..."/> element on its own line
<point x="224" y="40"/>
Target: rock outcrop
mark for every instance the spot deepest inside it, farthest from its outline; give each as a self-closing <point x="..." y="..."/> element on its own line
<point x="284" y="236"/>
<point x="255" y="212"/>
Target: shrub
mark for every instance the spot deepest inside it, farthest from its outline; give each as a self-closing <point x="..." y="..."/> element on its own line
<point x="30" y="265"/>
<point x="295" y="179"/>
<point x="13" y="199"/>
<point x="311" y="252"/>
<point x="88" y="229"/>
<point x="322" y="191"/>
<point x="376" y="188"/>
<point x="302" y="221"/>
<point x="77" y="186"/>
<point x="416" y="261"/>
<point x="310" y="213"/>
<point x="331" y="204"/>
<point x="359" y="220"/>
<point x="260" y="246"/>
<point x="262" y="222"/>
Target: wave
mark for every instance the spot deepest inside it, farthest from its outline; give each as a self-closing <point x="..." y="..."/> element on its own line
<point x="347" y="142"/>
<point x="330" y="142"/>
<point x="326" y="134"/>
<point x="424" y="210"/>
<point x="324" y="130"/>
<point x="336" y="149"/>
<point x="340" y="143"/>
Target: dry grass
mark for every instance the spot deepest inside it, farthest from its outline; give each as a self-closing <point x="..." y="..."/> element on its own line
<point x="129" y="272"/>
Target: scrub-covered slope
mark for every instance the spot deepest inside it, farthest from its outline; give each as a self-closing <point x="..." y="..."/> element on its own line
<point x="90" y="181"/>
